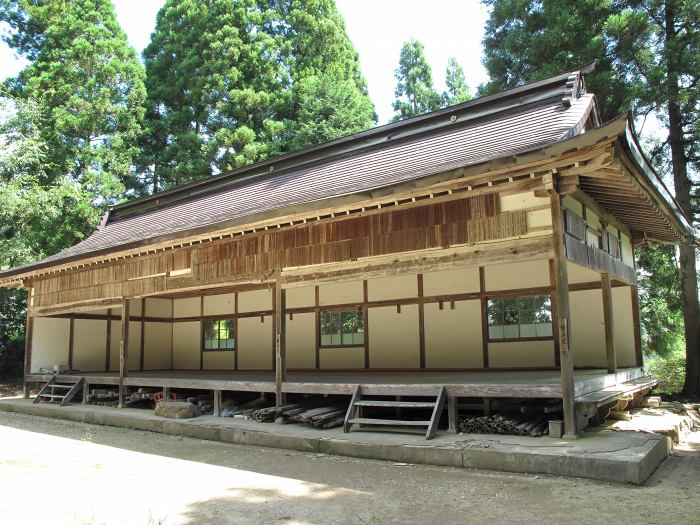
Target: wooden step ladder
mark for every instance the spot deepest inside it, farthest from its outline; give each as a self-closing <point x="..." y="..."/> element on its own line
<point x="357" y="402"/>
<point x="61" y="393"/>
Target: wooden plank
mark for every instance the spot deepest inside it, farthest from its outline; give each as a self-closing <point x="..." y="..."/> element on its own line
<point x="72" y="392"/>
<point x="44" y="389"/>
<point x="394" y="404"/>
<point x="388" y="422"/>
<point x="437" y="412"/>
<point x="352" y="408"/>
<point x="124" y="352"/>
<point x="561" y="290"/>
<point x="609" y="324"/>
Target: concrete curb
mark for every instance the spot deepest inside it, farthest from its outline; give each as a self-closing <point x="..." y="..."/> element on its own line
<point x="613" y="456"/>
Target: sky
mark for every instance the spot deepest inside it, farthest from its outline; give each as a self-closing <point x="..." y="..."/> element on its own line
<point x="378" y="28"/>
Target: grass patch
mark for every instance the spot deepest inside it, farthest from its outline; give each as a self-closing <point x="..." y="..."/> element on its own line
<point x="670" y="370"/>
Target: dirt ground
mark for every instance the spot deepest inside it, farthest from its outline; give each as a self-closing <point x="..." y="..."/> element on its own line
<point x="54" y="471"/>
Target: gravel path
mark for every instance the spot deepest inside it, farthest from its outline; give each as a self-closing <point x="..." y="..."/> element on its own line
<point x="54" y="471"/>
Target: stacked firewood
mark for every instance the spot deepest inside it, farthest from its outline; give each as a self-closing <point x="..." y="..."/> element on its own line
<point x="318" y="414"/>
<point x="514" y="424"/>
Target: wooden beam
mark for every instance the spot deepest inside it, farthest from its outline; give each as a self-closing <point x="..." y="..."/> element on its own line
<point x="561" y="289"/>
<point x="124" y="352"/>
<point x="421" y="321"/>
<point x="608" y="322"/>
<point x="280" y="350"/>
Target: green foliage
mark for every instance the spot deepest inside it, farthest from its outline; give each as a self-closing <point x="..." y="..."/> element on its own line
<point x="227" y="83"/>
<point x="414" y="92"/>
<point x="88" y="87"/>
<point x="670" y="369"/>
<point x="526" y="41"/>
<point x="328" y="109"/>
<point x="659" y="297"/>
<point x="457" y="88"/>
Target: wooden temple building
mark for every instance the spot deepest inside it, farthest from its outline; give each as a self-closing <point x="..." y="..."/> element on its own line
<point x="480" y="251"/>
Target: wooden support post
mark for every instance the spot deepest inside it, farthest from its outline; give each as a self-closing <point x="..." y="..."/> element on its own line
<point x="609" y="324"/>
<point x="217" y="402"/>
<point x="280" y="351"/>
<point x="28" y="332"/>
<point x="561" y="290"/>
<point x="452" y="413"/>
<point x="166" y="393"/>
<point x="124" y="352"/>
<point x="86" y="392"/>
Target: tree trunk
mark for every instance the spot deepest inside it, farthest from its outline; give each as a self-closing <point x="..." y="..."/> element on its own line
<point x="683" y="184"/>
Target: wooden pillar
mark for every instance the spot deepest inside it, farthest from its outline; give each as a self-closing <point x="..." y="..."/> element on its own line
<point x="28" y="333"/>
<point x="452" y="413"/>
<point x="124" y="352"/>
<point x="609" y="323"/>
<point x="217" y="402"/>
<point x="86" y="392"/>
<point x="280" y="350"/>
<point x="561" y="290"/>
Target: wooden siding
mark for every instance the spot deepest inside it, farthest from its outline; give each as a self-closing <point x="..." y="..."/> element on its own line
<point x="463" y="221"/>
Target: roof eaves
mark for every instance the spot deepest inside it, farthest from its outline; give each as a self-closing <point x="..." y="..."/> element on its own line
<point x="562" y="86"/>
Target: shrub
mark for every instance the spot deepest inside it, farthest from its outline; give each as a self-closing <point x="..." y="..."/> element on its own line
<point x="670" y="370"/>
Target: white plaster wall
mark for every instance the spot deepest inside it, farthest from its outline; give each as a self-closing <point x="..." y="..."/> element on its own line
<point x="301" y="340"/>
<point x="160" y="308"/>
<point x="522" y="201"/>
<point x="527" y="274"/>
<point x="398" y="287"/>
<point x="521" y="354"/>
<point x="587" y="337"/>
<point x="220" y="304"/>
<point x="342" y="358"/>
<point x="624" y="326"/>
<point x="50" y="339"/>
<point x="462" y="280"/>
<point x="187" y="340"/>
<point x="187" y="307"/>
<point x="627" y="251"/>
<point x="538" y="218"/>
<point x="340" y="293"/>
<point x="134" y="308"/>
<point x="219" y="360"/>
<point x="254" y="342"/>
<point x="300" y="297"/>
<point x="134" y="358"/>
<point x="158" y="346"/>
<point x="393" y="337"/>
<point x="89" y="345"/>
<point x="453" y="337"/>
<point x="579" y="274"/>
<point x="255" y="301"/>
<point x="114" y="344"/>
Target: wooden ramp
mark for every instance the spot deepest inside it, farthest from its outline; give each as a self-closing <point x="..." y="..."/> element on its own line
<point x="61" y="393"/>
<point x="354" y="415"/>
